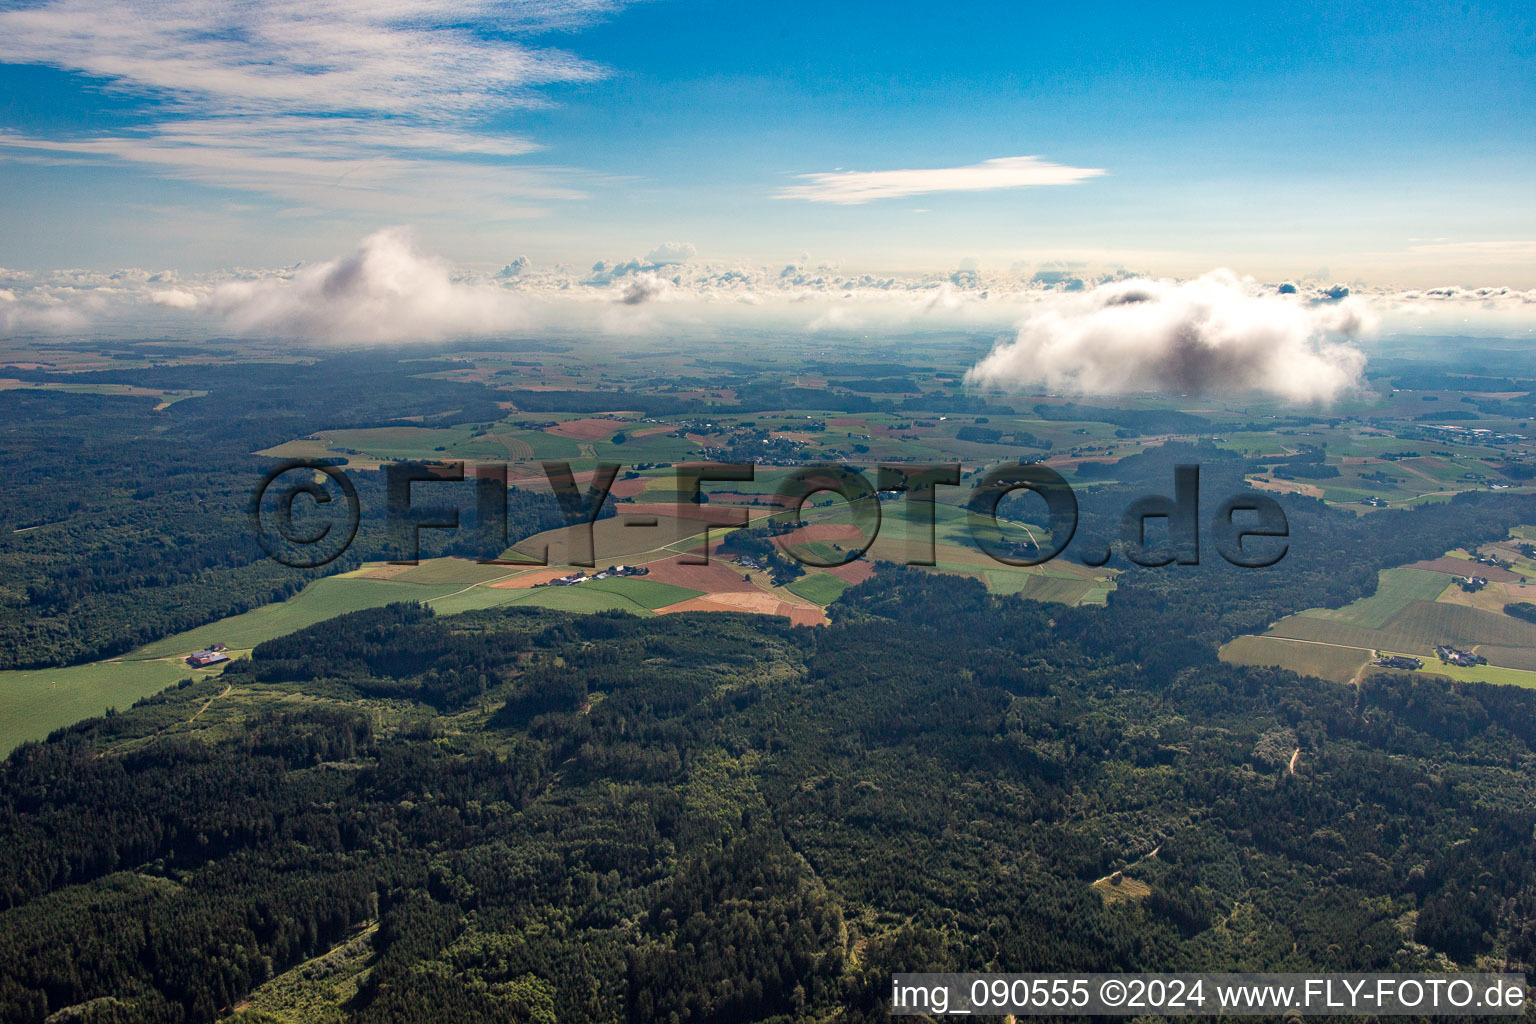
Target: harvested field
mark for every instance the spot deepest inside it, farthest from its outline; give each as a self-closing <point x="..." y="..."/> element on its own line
<point x="1466" y="567"/>
<point x="732" y="498"/>
<point x="1061" y="461"/>
<point x="539" y="481"/>
<point x="681" y="510"/>
<point x="1326" y="661"/>
<point x="379" y="572"/>
<point x="826" y="532"/>
<point x="1264" y="483"/>
<point x="718" y="576"/>
<point x="854" y="572"/>
<point x="628" y="488"/>
<point x="585" y="430"/>
<point x="758" y="603"/>
<point x="530" y="579"/>
<point x="460" y="571"/>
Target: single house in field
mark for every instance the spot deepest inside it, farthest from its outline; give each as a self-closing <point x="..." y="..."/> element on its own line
<point x="212" y="656"/>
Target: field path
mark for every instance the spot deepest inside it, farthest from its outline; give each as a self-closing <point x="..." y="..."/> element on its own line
<point x="472" y="586"/>
<point x="209" y="703"/>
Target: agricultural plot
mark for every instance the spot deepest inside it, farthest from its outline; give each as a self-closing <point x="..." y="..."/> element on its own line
<point x="1416" y="629"/>
<point x="1395" y="590"/>
<point x="821" y="588"/>
<point x="462" y="571"/>
<point x="1038" y="586"/>
<point x="35" y="702"/>
<point x="613" y="541"/>
<point x="580" y="599"/>
<point x="1413" y="610"/>
<point x="644" y="592"/>
<point x="317" y="448"/>
<point x="513" y="446"/>
<point x="661" y="447"/>
<point x="1326" y="661"/>
<point x="1483" y="674"/>
<point x="323" y="599"/>
<point x="400" y="442"/>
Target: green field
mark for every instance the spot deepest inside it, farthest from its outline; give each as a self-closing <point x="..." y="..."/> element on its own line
<point x="1395" y="590"/>
<point x="1483" y="674"/>
<point x="643" y="592"/>
<point x="821" y="587"/>
<point x="321" y="600"/>
<point x="35" y="702"/>
<point x="578" y="599"/>
<point x="1416" y="629"/>
<point x="651" y="448"/>
<point x="1402" y="617"/>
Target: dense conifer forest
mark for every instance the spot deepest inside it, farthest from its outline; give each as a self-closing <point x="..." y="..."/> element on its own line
<point x="149" y="532"/>
<point x="524" y="814"/>
<point x="527" y="815"/>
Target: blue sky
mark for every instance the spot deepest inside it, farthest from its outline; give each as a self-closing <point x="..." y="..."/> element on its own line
<point x="1382" y="142"/>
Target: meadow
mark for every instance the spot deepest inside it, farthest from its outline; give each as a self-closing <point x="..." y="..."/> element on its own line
<point x="34" y="702"/>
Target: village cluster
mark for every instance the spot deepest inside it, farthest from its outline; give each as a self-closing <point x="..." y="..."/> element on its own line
<point x="1448" y="656"/>
<point x="608" y="573"/>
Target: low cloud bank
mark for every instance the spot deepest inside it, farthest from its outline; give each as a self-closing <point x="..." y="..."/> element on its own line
<point x="1081" y="331"/>
<point x="386" y="291"/>
<point x="1216" y="333"/>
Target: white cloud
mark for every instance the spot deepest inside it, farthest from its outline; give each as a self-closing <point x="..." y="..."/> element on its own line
<point x="340" y="102"/>
<point x="668" y="253"/>
<point x="386" y="291"/>
<point x="39" y="314"/>
<point x="642" y="288"/>
<point x="853" y="187"/>
<point x="1218" y="333"/>
<point x="175" y="298"/>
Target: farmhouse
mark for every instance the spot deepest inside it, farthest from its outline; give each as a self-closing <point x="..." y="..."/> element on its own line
<point x="211" y="656"/>
<point x="1454" y="656"/>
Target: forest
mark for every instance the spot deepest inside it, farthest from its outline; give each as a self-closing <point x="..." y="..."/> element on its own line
<point x="525" y="814"/>
<point x="147" y="511"/>
<point x="528" y="815"/>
